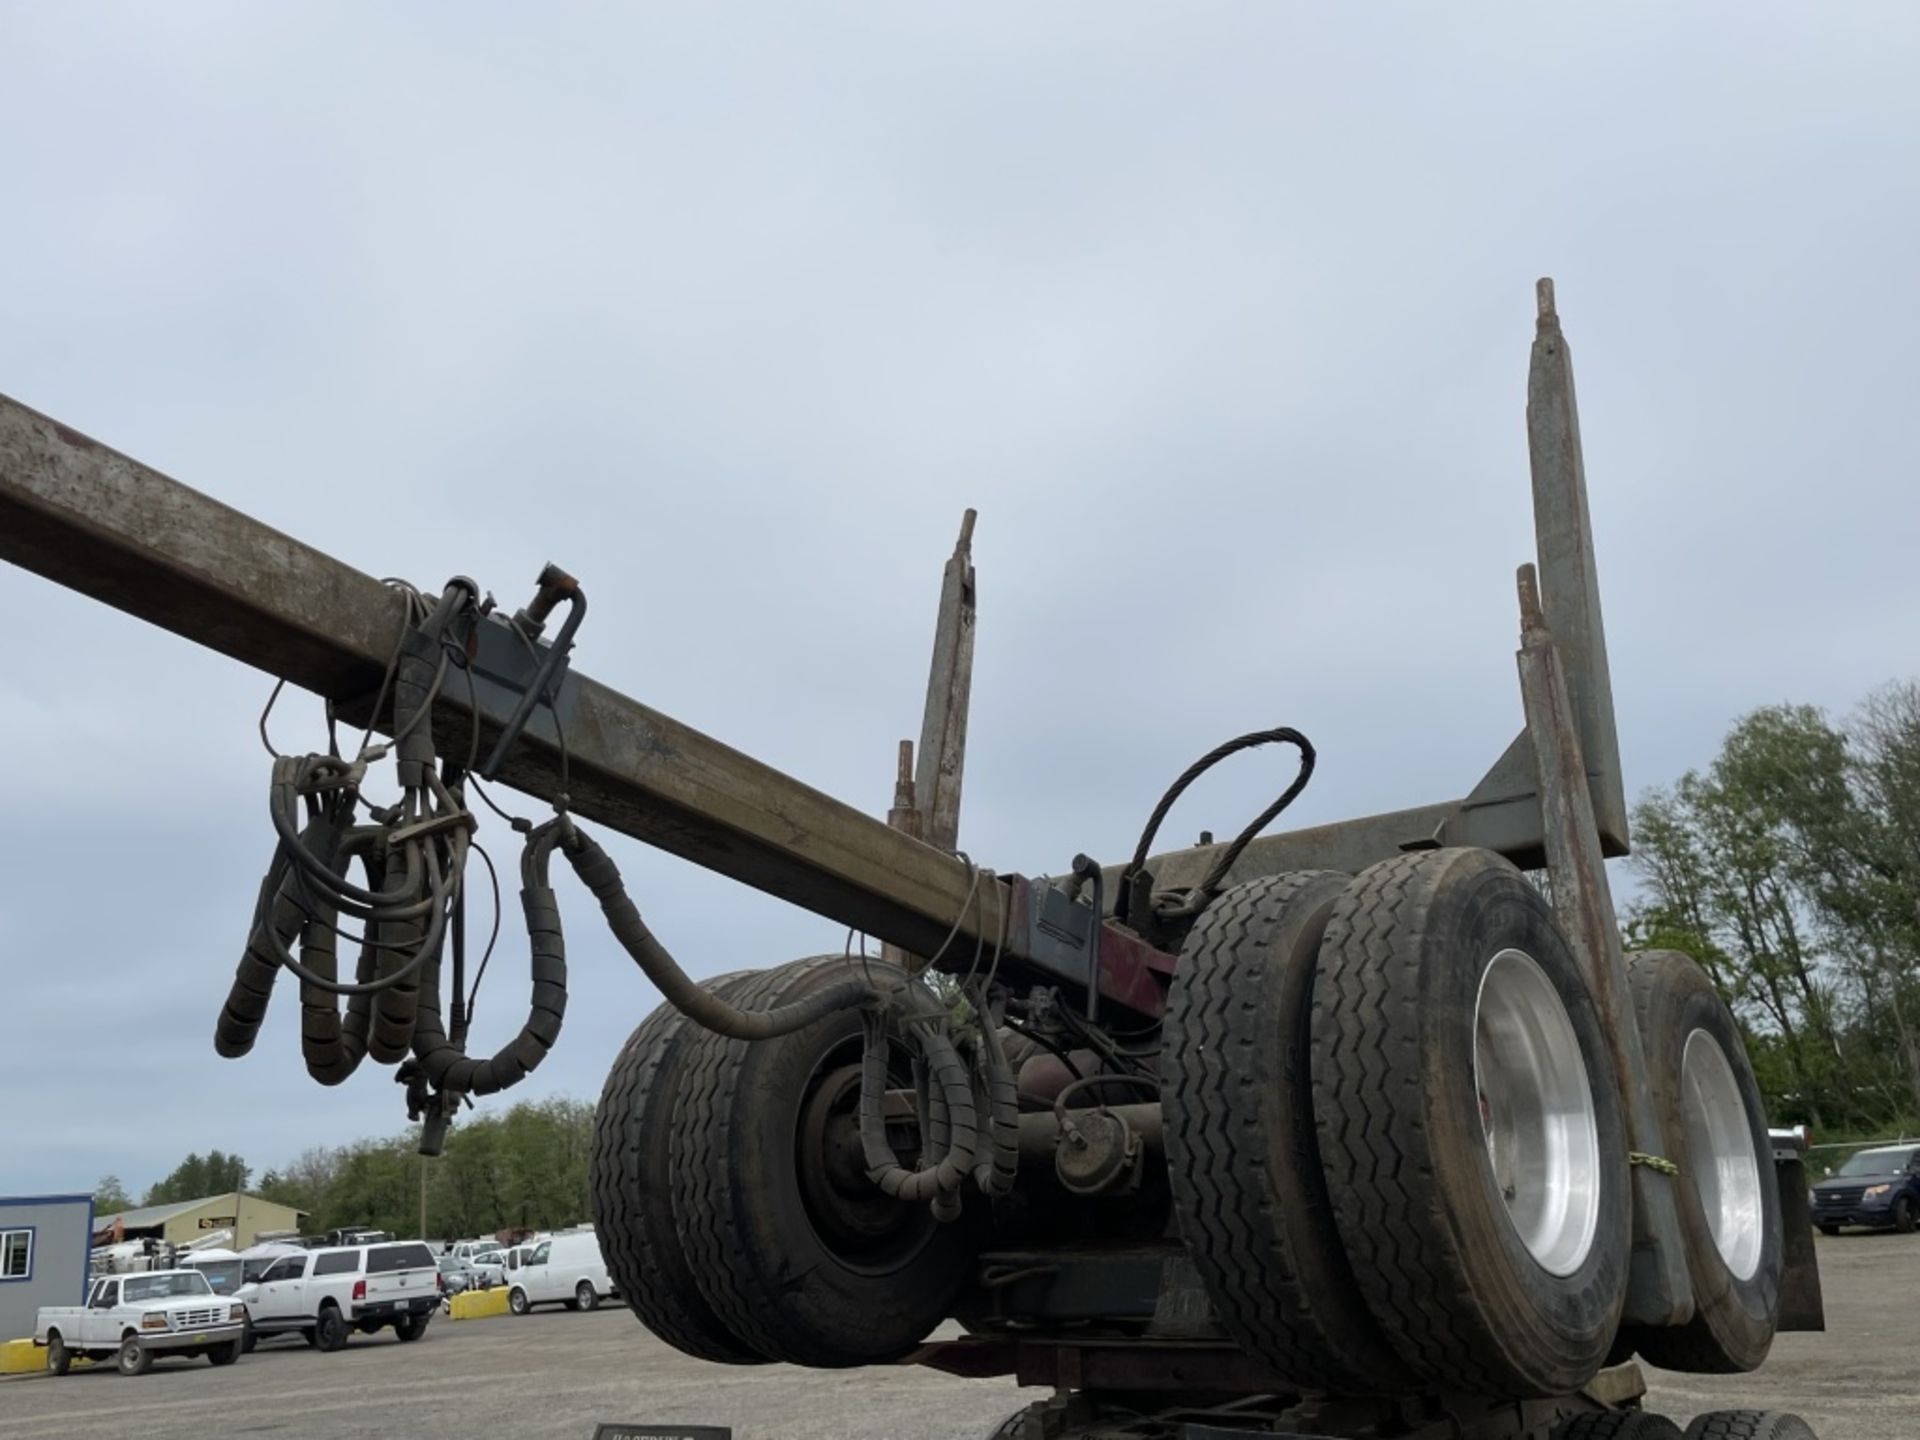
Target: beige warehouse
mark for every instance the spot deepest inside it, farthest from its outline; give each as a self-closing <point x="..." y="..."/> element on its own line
<point x="185" y="1221"/>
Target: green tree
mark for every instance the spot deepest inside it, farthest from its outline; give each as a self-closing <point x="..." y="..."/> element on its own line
<point x="110" y="1196"/>
<point x="526" y="1166"/>
<point x="1791" y="869"/>
<point x="214" y="1173"/>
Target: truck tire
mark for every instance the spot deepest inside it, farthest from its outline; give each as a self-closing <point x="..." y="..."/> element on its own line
<point x="631" y="1174"/>
<point x="585" y="1297"/>
<point x="803" y="1275"/>
<point x="226" y="1354"/>
<point x="248" y="1339"/>
<point x="409" y="1328"/>
<point x="134" y="1358"/>
<point x="1242" y="1153"/>
<point x="59" y="1360"/>
<point x="330" y="1330"/>
<point x="518" y="1302"/>
<point x="1452" y="1033"/>
<point x="1749" y="1425"/>
<point x="1903" y="1214"/>
<point x="1618" y="1425"/>
<point x="1713" y="1125"/>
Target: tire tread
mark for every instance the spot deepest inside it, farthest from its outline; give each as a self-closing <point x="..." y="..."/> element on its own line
<point x="647" y="1264"/>
<point x="1221" y="1057"/>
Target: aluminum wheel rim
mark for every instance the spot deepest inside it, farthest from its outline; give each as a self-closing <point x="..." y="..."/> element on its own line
<point x="1720" y="1160"/>
<point x="1536" y="1112"/>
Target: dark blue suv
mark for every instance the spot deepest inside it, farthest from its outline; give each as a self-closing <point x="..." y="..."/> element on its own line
<point x="1879" y="1187"/>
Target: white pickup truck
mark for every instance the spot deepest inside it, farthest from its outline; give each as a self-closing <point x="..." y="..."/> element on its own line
<point x="136" y="1318"/>
<point x="326" y="1295"/>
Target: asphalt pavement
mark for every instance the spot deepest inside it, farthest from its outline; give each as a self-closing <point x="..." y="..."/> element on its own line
<point x="557" y="1374"/>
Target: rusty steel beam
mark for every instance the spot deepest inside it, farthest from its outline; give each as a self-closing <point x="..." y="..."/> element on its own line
<point x="96" y="521"/>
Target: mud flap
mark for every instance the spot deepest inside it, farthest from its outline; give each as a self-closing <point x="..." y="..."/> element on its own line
<point x="1801" y="1304"/>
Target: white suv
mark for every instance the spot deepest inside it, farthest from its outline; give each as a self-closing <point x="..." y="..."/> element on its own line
<point x="328" y="1294"/>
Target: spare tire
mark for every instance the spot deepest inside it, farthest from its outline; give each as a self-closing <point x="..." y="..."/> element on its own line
<point x="631" y="1174"/>
<point x="1713" y="1126"/>
<point x="1241" y="1151"/>
<point x="793" y="1247"/>
<point x="1470" y="1126"/>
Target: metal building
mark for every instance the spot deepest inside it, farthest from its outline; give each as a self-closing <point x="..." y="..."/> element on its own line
<point x="248" y="1217"/>
<point x="44" y="1242"/>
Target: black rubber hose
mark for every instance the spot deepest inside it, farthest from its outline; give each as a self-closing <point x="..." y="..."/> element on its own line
<point x="1284" y="734"/>
<point x="600" y="875"/>
<point x="331" y="1047"/>
<point x="446" y="1065"/>
<point x="417" y="677"/>
<point x="950" y="1079"/>
<point x="246" y="1005"/>
<point x="283" y="807"/>
<point x="388" y="975"/>
<point x="995" y="1175"/>
<point x="397" y="1006"/>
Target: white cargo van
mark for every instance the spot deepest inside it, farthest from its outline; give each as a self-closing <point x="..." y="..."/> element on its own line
<point x="565" y="1269"/>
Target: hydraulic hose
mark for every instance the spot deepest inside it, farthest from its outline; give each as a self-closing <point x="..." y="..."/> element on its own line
<point x="332" y="1047"/>
<point x="947" y="1075"/>
<point x="995" y="1175"/>
<point x="444" y="1062"/>
<point x="600" y="875"/>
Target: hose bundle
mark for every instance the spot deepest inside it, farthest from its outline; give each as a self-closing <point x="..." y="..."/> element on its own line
<point x="400" y="874"/>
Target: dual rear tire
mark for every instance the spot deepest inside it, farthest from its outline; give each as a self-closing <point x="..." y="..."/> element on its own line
<point x="1397" y="1149"/>
<point x="1713" y="1126"/>
<point x="729" y="1182"/>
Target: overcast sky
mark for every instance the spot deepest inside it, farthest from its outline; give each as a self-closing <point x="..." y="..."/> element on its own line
<point x="1220" y="315"/>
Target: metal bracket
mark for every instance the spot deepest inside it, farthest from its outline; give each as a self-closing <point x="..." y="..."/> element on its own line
<point x="545" y="664"/>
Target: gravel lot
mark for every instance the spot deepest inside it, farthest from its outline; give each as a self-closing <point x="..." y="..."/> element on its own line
<point x="555" y="1374"/>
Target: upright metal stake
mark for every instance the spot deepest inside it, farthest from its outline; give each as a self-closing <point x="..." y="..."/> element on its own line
<point x="943" y="728"/>
<point x="1658" y="1289"/>
<point x="904" y="817"/>
<point x="1563" y="541"/>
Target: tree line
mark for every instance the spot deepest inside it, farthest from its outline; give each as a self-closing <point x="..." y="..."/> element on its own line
<point x="1790" y="868"/>
<point x="523" y="1168"/>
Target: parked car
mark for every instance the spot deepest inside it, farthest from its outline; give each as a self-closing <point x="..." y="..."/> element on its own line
<point x="492" y="1264"/>
<point x="326" y="1295"/>
<point x="138" y="1318"/>
<point x="1879" y="1187"/>
<point x="458" y="1275"/>
<point x="566" y="1269"/>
